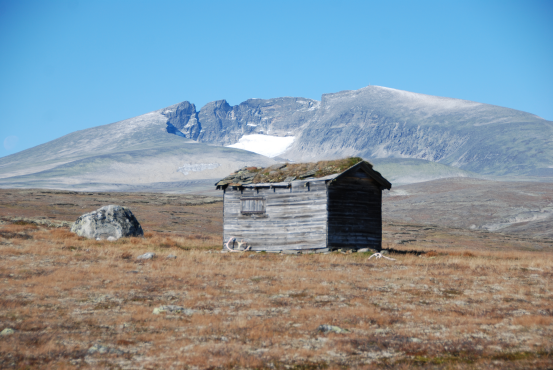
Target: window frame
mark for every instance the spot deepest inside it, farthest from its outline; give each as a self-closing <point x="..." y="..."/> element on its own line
<point x="257" y="198"/>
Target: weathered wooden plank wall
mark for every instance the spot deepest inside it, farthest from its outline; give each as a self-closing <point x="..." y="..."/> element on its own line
<point x="354" y="212"/>
<point x="295" y="218"/>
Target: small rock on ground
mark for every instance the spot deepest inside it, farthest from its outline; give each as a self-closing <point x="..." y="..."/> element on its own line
<point x="98" y="348"/>
<point x="146" y="256"/>
<point x="7" y="331"/>
<point x="364" y="250"/>
<point x="173" y="309"/>
<point x="332" y="329"/>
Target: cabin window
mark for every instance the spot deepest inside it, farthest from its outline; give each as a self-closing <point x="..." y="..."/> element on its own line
<point x="252" y="205"/>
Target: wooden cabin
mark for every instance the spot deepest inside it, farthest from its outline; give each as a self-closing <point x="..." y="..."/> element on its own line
<point x="315" y="207"/>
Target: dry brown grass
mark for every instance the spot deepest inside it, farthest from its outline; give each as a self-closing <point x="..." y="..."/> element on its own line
<point x="445" y="308"/>
<point x="463" y="303"/>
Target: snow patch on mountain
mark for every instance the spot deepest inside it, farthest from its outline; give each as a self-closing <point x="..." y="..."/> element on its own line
<point x="267" y="145"/>
<point x="196" y="167"/>
<point x="430" y="102"/>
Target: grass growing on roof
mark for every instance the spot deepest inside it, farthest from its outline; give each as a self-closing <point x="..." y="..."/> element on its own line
<point x="281" y="172"/>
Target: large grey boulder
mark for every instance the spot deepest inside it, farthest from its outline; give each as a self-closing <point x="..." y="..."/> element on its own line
<point x="109" y="222"/>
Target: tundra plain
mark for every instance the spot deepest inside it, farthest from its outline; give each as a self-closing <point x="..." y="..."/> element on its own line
<point x="453" y="298"/>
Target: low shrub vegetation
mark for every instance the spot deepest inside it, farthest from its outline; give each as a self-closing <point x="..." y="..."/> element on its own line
<point x="457" y="302"/>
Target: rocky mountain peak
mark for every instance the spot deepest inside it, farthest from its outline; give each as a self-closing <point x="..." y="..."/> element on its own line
<point x="182" y="120"/>
<point x="378" y="122"/>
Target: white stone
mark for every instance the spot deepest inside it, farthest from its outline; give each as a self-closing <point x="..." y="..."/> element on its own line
<point x="7" y="331"/>
<point x="109" y="222"/>
<point x="146" y="256"/>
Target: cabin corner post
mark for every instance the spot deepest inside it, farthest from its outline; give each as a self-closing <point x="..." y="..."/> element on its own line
<point x="327" y="214"/>
<point x="224" y="192"/>
<point x="380" y="214"/>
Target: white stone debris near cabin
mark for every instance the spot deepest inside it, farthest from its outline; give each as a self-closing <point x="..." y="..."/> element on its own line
<point x="314" y="207"/>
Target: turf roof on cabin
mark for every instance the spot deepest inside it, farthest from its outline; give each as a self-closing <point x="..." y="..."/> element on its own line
<point x="288" y="172"/>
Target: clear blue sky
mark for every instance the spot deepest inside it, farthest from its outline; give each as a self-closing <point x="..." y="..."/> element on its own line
<point x="70" y="65"/>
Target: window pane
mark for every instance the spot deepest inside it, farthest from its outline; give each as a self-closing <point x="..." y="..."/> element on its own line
<point x="252" y="205"/>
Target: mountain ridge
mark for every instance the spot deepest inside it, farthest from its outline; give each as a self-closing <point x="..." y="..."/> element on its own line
<point x="380" y="122"/>
<point x="465" y="138"/>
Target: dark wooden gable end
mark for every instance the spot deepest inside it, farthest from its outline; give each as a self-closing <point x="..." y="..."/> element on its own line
<point x="355" y="208"/>
<point x="337" y="211"/>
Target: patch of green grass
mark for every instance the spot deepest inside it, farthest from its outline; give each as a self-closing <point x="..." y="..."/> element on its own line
<point x="106" y="306"/>
<point x="469" y="358"/>
<point x="258" y="279"/>
<point x="298" y="366"/>
<point x="450" y="293"/>
<point x="299" y="295"/>
<point x="517" y="356"/>
<point x="310" y="366"/>
<point x="442" y="360"/>
<point x="24" y="223"/>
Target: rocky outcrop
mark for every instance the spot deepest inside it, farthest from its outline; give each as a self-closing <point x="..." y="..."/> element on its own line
<point x="220" y="123"/>
<point x="109" y="222"/>
<point x="182" y="120"/>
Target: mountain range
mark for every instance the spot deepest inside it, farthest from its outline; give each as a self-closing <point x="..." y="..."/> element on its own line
<point x="410" y="137"/>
